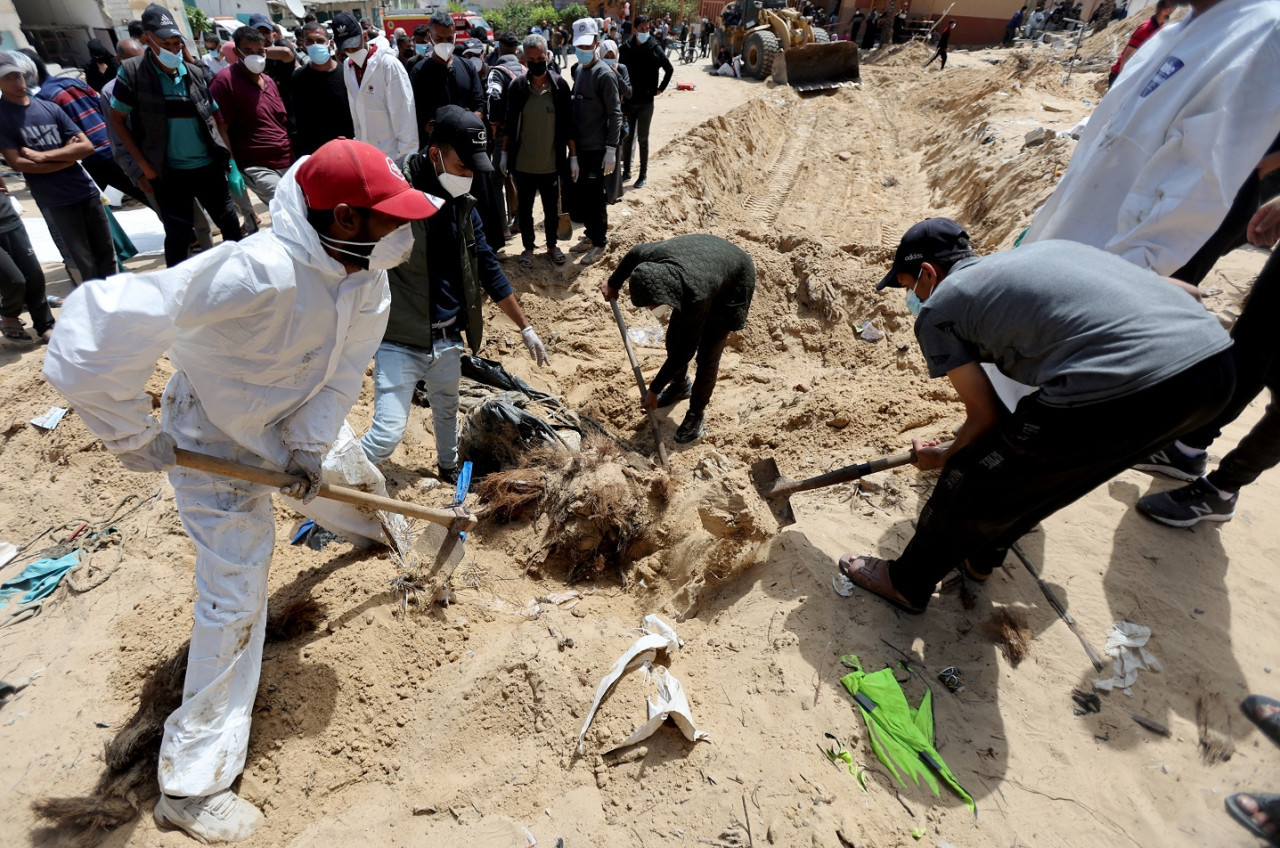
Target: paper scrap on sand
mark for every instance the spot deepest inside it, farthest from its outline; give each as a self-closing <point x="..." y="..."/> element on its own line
<point x="1126" y="645"/>
<point x="50" y="419"/>
<point x="670" y="698"/>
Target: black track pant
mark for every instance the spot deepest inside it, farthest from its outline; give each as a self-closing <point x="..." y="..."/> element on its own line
<point x="22" y="280"/>
<point x="175" y="195"/>
<point x="1232" y="233"/>
<point x="590" y="190"/>
<point x="86" y="236"/>
<point x="1257" y="357"/>
<point x="107" y="173"/>
<point x="639" y="117"/>
<point x="1039" y="460"/>
<point x="528" y="188"/>
<point x="710" y="348"/>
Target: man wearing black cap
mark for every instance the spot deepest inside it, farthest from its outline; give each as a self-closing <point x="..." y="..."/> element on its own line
<point x="1123" y="361"/>
<point x="378" y="90"/>
<point x="165" y="119"/>
<point x="705" y="283"/>
<point x="281" y="59"/>
<point x="435" y="302"/>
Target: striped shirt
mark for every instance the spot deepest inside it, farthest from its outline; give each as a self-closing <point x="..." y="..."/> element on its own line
<point x="82" y="106"/>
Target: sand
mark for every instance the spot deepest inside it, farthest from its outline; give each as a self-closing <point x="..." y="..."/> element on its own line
<point x="457" y="726"/>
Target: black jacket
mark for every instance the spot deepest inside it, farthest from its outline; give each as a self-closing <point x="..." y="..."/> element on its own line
<point x="461" y="266"/>
<point x="435" y="85"/>
<point x="518" y="96"/>
<point x="644" y="61"/>
<point x="498" y="80"/>
<point x="708" y="283"/>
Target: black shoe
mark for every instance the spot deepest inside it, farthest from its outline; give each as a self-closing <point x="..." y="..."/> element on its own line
<point x="640" y="182"/>
<point x="1189" y="505"/>
<point x="675" y="393"/>
<point x="692" y="428"/>
<point x="1172" y="462"/>
<point x="448" y="476"/>
<point x="626" y="174"/>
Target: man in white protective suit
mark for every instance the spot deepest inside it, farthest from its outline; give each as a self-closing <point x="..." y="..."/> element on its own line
<point x="1167" y="149"/>
<point x="270" y="338"/>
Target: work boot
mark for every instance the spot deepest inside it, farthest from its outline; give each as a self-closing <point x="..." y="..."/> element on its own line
<point x="675" y="393"/>
<point x="692" y="428"/>
<point x="220" y="817"/>
<point x="640" y="181"/>
<point x="447" y="475"/>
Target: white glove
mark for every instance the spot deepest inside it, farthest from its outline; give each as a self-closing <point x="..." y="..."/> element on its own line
<point x="307" y="464"/>
<point x="502" y="163"/>
<point x="536" y="348"/>
<point x="574" y="170"/>
<point x="610" y="160"/>
<point x="155" y="455"/>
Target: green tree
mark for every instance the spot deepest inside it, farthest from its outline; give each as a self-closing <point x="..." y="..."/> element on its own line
<point x="569" y="14"/>
<point x="200" y="22"/>
<point x="456" y="7"/>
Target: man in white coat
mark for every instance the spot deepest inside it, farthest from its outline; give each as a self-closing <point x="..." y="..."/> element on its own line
<point x="378" y="90"/>
<point x="1165" y="152"/>
<point x="270" y="338"/>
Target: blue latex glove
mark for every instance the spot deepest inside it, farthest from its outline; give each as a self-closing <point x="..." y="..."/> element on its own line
<point x="235" y="179"/>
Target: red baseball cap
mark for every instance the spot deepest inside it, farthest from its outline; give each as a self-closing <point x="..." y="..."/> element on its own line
<point x="359" y="174"/>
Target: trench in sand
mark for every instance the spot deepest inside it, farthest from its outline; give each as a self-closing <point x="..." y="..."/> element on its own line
<point x="817" y="190"/>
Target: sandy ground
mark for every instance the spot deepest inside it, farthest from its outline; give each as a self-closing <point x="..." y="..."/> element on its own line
<point x="457" y="726"/>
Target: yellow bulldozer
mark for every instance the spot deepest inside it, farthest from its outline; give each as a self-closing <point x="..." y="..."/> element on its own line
<point x="773" y="39"/>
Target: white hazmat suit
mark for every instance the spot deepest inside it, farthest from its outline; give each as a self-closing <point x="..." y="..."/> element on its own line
<point x="1170" y="145"/>
<point x="270" y="337"/>
<point x="382" y="103"/>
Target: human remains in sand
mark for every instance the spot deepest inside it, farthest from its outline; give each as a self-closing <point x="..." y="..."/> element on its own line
<point x="1120" y="360"/>
<point x="705" y="283"/>
<point x="270" y="338"/>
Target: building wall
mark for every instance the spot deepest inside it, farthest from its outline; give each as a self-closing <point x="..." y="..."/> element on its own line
<point x="11" y="37"/>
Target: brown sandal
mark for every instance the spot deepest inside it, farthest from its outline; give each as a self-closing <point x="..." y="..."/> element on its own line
<point x="863" y="572"/>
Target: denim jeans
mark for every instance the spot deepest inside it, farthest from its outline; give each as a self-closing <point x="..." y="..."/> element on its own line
<point x="397" y="369"/>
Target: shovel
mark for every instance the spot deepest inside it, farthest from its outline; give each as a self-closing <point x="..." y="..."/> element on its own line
<point x="777" y="490"/>
<point x="457" y="520"/>
<point x="635" y="368"/>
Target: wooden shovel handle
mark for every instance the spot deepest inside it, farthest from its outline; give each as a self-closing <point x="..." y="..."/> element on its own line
<point x="280" y="479"/>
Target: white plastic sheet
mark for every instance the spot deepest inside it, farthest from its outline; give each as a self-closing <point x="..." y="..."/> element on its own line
<point x="670" y="699"/>
<point x="1126" y="645"/>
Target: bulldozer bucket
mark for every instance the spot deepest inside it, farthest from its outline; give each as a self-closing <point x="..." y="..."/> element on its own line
<point x="814" y="67"/>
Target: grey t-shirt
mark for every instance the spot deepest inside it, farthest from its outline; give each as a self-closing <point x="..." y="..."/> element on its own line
<point x="1080" y="323"/>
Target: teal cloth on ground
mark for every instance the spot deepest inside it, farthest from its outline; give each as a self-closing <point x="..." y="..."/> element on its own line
<point x="124" y="245"/>
<point x="39" y="579"/>
<point x="902" y="737"/>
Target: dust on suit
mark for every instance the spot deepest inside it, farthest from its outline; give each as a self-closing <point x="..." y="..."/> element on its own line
<point x="270" y="338"/>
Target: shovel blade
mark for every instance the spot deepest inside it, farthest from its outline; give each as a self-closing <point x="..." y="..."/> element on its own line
<point x="765" y="476"/>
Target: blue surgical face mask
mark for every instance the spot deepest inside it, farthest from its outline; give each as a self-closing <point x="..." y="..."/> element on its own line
<point x="172" y="61"/>
<point x="914" y="304"/>
<point x="642" y="37"/>
<point x="422" y="49"/>
<point x="613" y="63"/>
<point x="318" y="53"/>
<point x="585" y="57"/>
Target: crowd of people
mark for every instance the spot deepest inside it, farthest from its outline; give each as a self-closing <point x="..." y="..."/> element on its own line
<point x="396" y="168"/>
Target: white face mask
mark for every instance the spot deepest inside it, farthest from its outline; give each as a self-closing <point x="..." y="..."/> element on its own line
<point x="455" y="185"/>
<point x="359" y="56"/>
<point x="444" y="52"/>
<point x="388" y="252"/>
<point x="255" y="64"/>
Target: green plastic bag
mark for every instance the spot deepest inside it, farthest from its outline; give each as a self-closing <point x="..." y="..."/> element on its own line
<point x="902" y="737"/>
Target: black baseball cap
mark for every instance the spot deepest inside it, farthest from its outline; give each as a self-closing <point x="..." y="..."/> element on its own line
<point x="465" y="133"/>
<point x="347" y="32"/>
<point x="931" y="239"/>
<point x="158" y="20"/>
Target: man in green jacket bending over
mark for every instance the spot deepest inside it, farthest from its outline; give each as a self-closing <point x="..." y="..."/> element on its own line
<point x="705" y="283"/>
